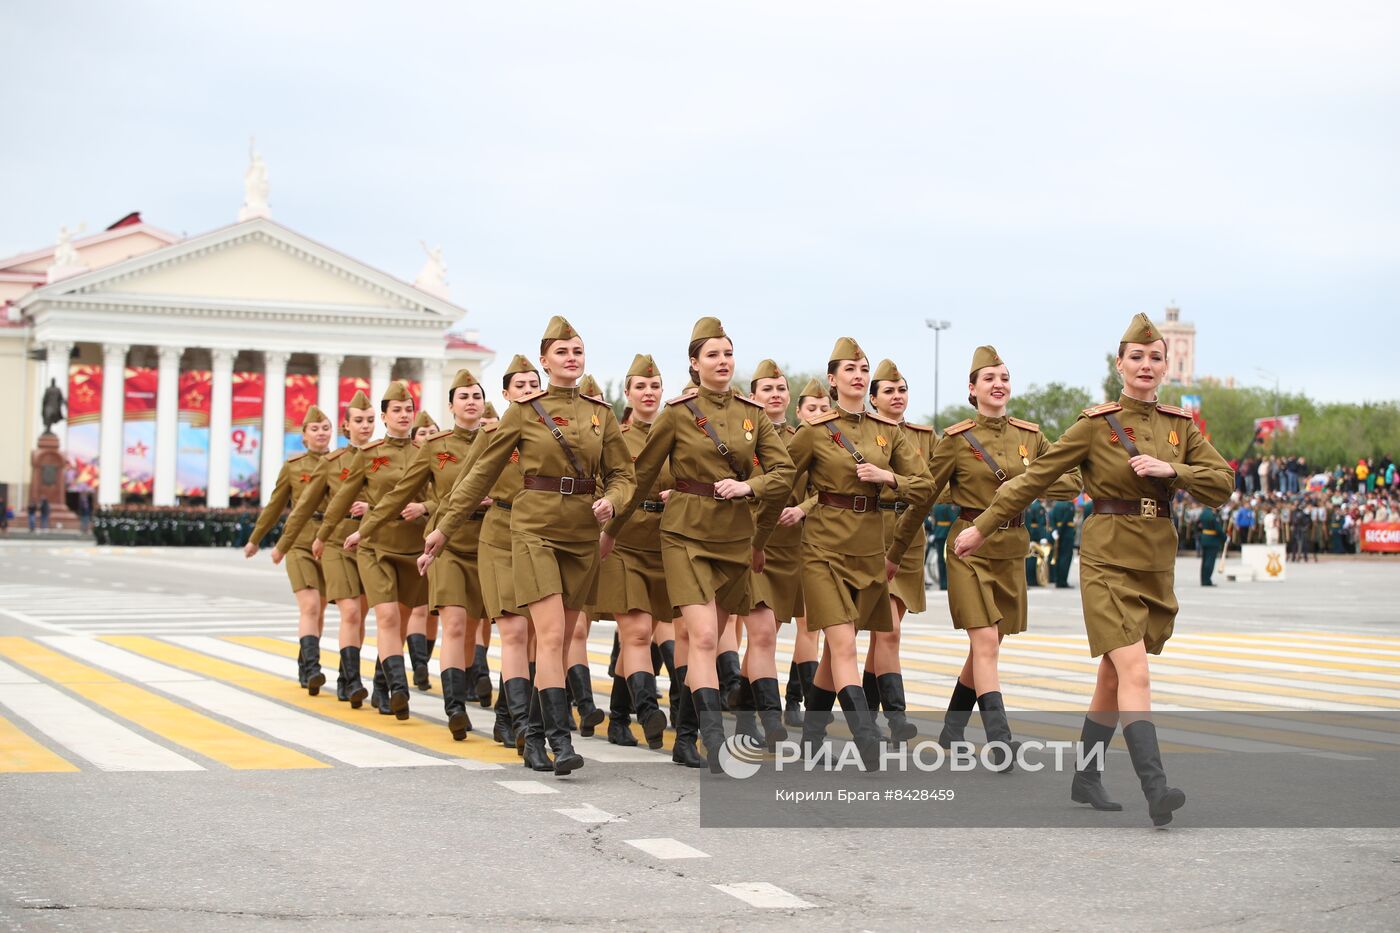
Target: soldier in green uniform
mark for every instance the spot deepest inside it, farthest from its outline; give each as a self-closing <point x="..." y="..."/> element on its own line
<point x="1212" y="537"/>
<point x="454" y="589"/>
<point x="1037" y="529"/>
<point x="632" y="579"/>
<point x="813" y="402"/>
<point x="945" y="513"/>
<point x="308" y="585"/>
<point x="883" y="681"/>
<point x="850" y="456"/>
<point x="721" y="449"/>
<point x="1062" y="524"/>
<point x="386" y="562"/>
<point x="564" y="442"/>
<point x="338" y="566"/>
<point x="1134" y="454"/>
<point x="1336" y="529"/>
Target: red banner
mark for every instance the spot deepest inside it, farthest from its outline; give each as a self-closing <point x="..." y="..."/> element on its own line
<point x="301" y="395"/>
<point x="141" y="393"/>
<point x="195" y="388"/>
<point x="84" y="394"/>
<point x="247" y="398"/>
<point x="1380" y="536"/>
<point x="349" y="385"/>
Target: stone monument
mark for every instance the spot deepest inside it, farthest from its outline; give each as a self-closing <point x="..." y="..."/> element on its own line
<point x="49" y="466"/>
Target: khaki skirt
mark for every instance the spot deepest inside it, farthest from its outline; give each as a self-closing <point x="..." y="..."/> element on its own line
<point x="985" y="591"/>
<point x="1123" y="607"/>
<point x="497" y="578"/>
<point x="342" y="573"/>
<point x="779" y="587"/>
<point x="632" y="580"/>
<point x="391" y="578"/>
<point x="908" y="582"/>
<point x="304" y="570"/>
<point x="700" y="571"/>
<point x="543" y="568"/>
<point x="839" y="589"/>
<point x="453" y="580"/>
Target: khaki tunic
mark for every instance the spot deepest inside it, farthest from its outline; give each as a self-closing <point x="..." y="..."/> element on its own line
<point x="1127" y="561"/>
<point x="452" y="578"/>
<point x="843" y="571"/>
<point x="386" y="560"/>
<point x="633" y="578"/>
<point x="493" y="554"/>
<point x="989" y="587"/>
<point x="338" y="568"/>
<point x="779" y="587"/>
<point x="706" y="543"/>
<point x="908" y="583"/>
<point x="296" y="475"/>
<point x="554" y="537"/>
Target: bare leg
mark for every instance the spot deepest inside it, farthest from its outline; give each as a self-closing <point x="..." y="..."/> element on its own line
<point x="704" y="624"/>
<point x="759" y="657"/>
<point x="454" y="637"/>
<point x="552" y="629"/>
<point x="515" y="646"/>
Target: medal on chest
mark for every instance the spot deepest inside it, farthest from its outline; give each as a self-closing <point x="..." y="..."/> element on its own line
<point x="378" y="462"/>
<point x="880" y="439"/>
<point x="597" y="425"/>
<point x="1025" y="455"/>
<point x="748" y="430"/>
<point x="1173" y="439"/>
<point x="444" y="458"/>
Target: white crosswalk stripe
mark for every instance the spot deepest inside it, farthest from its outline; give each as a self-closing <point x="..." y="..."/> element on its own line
<point x="73" y="611"/>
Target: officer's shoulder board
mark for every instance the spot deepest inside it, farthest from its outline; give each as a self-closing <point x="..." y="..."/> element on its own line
<point x="625" y="428"/>
<point x="373" y="444"/>
<point x="1107" y="408"/>
<point x="683" y="397"/>
<point x="876" y="416"/>
<point x="747" y="401"/>
<point x="825" y="417"/>
<point x="490" y="428"/>
<point x="299" y="456"/>
<point x="918" y="427"/>
<point x="596" y="400"/>
<point x="1024" y="425"/>
<point x="433" y="437"/>
<point x="1173" y="410"/>
<point x="338" y="453"/>
<point x="960" y="427"/>
<point x="789" y="429"/>
<point x="531" y="397"/>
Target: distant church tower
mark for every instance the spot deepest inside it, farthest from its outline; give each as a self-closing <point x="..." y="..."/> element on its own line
<point x="1181" y="347"/>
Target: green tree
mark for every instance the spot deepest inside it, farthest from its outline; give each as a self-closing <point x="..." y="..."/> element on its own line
<point x="1112" y="383"/>
<point x="1054" y="406"/>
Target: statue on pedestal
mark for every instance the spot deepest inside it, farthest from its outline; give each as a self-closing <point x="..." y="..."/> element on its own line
<point x="433" y="276"/>
<point x="52" y="409"/>
<point x="255" y="186"/>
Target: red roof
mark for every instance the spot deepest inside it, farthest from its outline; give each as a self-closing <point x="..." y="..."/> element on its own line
<point x="130" y="220"/>
<point x="458" y="342"/>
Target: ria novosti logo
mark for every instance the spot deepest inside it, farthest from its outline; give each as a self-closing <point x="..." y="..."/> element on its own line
<point x="742" y="757"/>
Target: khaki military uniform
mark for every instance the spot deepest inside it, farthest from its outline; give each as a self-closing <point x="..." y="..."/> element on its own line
<point x="908" y="583"/>
<point x="338" y="567"/>
<point x="554" y="535"/>
<point x="843" y="571"/>
<point x="706" y="543"/>
<point x="1127" y="561"/>
<point x="988" y="587"/>
<point x="296" y="475"/>
<point x="493" y="555"/>
<point x="779" y="587"/>
<point x="452" y="578"/>
<point x="386" y="561"/>
<point x="633" y="578"/>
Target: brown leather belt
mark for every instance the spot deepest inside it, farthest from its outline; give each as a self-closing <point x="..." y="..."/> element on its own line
<point x="477" y="515"/>
<point x="898" y="506"/>
<point x="697" y="488"/>
<point x="318" y="516"/>
<point x="501" y="504"/>
<point x="1146" y="507"/>
<point x="653" y="505"/>
<point x="564" y="485"/>
<point x="854" y="503"/>
<point x="971" y="515"/>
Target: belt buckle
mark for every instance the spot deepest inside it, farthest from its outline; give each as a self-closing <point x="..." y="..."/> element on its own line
<point x="1004" y="526"/>
<point x="1148" y="508"/>
<point x="714" y="494"/>
<point x="570" y="481"/>
<point x="860" y="503"/>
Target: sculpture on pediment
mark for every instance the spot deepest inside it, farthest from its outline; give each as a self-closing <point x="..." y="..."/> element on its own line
<point x="255" y="186"/>
<point x="433" y="276"/>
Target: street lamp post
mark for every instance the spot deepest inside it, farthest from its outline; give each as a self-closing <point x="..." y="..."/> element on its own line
<point x="937" y="327"/>
<point x="1274" y="376"/>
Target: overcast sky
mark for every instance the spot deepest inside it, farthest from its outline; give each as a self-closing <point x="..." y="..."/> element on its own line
<point x="1034" y="173"/>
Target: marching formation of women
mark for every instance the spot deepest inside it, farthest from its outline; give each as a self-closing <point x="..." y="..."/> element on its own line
<point x="702" y="525"/>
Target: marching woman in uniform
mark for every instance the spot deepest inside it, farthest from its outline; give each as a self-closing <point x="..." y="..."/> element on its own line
<point x="849" y="455"/>
<point x="986" y="592"/>
<point x="884" y="678"/>
<point x="721" y="450"/>
<point x="386" y="562"/>
<point x="564" y="441"/>
<point x="421" y="628"/>
<point x="454" y="591"/>
<point x="578" y="678"/>
<point x="632" y="580"/>
<point x="338" y="567"/>
<point x="777" y="591"/>
<point x="1134" y="454"/>
<point x="308" y="585"/>
<point x="812" y="403"/>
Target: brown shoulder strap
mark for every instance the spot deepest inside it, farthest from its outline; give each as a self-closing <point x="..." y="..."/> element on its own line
<point x="559" y="436"/>
<point x="703" y="423"/>
<point x="845" y="442"/>
<point x="984" y="456"/>
<point x="1116" y="427"/>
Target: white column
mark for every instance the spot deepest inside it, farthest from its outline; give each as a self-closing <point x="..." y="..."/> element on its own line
<point x="433" y="394"/>
<point x="380" y="369"/>
<point x="220" y="426"/>
<point x="56" y="356"/>
<point x="328" y="387"/>
<point x="167" y="424"/>
<point x="274" y="419"/>
<point x="109" y="482"/>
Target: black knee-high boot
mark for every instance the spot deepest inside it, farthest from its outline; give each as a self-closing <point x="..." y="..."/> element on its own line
<point x="516" y="692"/>
<point x="683" y="751"/>
<point x="792" y="714"/>
<point x="397" y="680"/>
<point x="536" y="756"/>
<point x="730" y="672"/>
<point x="311" y="652"/>
<point x="580" y="681"/>
<point x="892" y="699"/>
<point x="817" y="716"/>
<point x="501" y="730"/>
<point x="1087" y="786"/>
<point x="959" y="713"/>
<point x="620" y="714"/>
<point x="998" y="729"/>
<point x="770" y="711"/>
<point x="355" y="690"/>
<point x="861" y="720"/>
<point x="707" y="708"/>
<point x="673" y="699"/>
<point x="870" y="686"/>
<point x="418" y="658"/>
<point x="642" y="688"/>
<point x="454" y="702"/>
<point x="554" y="704"/>
<point x="745" y="716"/>
<point x="481" y="683"/>
<point x="380" y="700"/>
<point x="1162" y="800"/>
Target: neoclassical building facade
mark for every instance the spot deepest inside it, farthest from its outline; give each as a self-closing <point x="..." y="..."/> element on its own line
<point x="254" y="297"/>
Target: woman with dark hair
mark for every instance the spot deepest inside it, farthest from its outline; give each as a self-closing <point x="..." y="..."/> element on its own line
<point x="850" y="455"/>
<point x="563" y="441"/>
<point x="721" y="450"/>
<point x="420" y="631"/>
<point x="1134" y="453"/>
<point x="806" y="646"/>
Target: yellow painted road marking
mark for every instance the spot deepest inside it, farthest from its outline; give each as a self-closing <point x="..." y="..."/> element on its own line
<point x="19" y="752"/>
